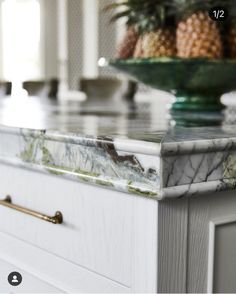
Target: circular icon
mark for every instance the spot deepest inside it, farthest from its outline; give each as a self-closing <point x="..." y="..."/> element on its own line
<point x="14" y="279"/>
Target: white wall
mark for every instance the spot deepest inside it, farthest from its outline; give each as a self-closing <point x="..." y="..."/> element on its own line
<point x="105" y="34"/>
<point x="49" y="38"/>
<point x="108" y="34"/>
<point x="100" y="36"/>
<point x="75" y="42"/>
<point x="50" y="33"/>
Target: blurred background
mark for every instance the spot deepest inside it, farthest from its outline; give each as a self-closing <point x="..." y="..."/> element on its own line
<point x="51" y="48"/>
<point x="55" y="39"/>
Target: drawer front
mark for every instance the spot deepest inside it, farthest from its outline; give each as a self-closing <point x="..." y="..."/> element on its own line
<point x="49" y="272"/>
<point x="97" y="229"/>
<point x="29" y="284"/>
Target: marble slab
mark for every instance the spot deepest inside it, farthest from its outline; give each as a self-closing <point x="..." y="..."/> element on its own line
<point x="130" y="150"/>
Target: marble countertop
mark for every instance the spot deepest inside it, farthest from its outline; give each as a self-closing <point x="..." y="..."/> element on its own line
<point x="128" y="147"/>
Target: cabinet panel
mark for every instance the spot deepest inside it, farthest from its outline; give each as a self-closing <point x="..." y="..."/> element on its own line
<point x="107" y="242"/>
<point x="211" y="243"/>
<point x="225" y="258"/>
<point x="97" y="228"/>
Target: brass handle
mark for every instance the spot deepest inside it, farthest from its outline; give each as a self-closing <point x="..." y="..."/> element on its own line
<point x="56" y="219"/>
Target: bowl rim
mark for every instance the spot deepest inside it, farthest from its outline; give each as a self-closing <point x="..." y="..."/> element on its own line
<point x="174" y="60"/>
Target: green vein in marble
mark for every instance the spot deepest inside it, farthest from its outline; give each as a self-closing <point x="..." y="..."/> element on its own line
<point x="82" y="175"/>
<point x="136" y="190"/>
<point x="27" y="154"/>
<point x="85" y="176"/>
<point x="229" y="167"/>
<point x="46" y="156"/>
<point x="36" y="152"/>
<point x="52" y="169"/>
<point x="105" y="183"/>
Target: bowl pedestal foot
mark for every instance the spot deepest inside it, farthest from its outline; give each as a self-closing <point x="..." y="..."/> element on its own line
<point x="193" y="110"/>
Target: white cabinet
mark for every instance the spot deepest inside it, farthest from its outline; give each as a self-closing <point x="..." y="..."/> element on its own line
<point x="197" y="244"/>
<point x="106" y="243"/>
<point x="112" y="242"/>
<point x="212" y="243"/>
<point x="29" y="284"/>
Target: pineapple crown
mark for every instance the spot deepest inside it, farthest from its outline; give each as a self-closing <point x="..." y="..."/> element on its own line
<point x="144" y="15"/>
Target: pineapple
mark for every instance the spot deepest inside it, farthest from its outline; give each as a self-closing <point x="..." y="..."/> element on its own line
<point x="231" y="41"/>
<point x="127" y="46"/>
<point x="159" y="43"/>
<point x="128" y="9"/>
<point x="197" y="34"/>
<point x="154" y="26"/>
<point x="138" y="52"/>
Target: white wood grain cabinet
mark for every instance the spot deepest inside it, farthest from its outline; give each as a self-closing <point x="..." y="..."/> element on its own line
<point x="107" y="242"/>
<point x="112" y="242"/>
<point x="30" y="284"/>
<point x="197" y="244"/>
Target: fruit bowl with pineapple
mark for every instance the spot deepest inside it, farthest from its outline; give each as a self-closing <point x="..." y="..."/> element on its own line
<point x="176" y="46"/>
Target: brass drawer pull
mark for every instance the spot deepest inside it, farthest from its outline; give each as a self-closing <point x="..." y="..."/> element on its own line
<point x="57" y="219"/>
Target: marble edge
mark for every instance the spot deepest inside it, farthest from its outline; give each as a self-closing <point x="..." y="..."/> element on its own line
<point x="162" y="149"/>
<point x="197" y="146"/>
<point x="198" y="188"/>
<point x="97" y="161"/>
<point x="122" y="185"/>
<point x="122" y="144"/>
<point x="157" y="193"/>
<point x="126" y="165"/>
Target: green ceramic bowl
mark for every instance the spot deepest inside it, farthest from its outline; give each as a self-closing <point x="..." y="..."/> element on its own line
<point x="197" y="83"/>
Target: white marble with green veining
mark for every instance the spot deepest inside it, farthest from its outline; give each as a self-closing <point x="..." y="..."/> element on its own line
<point x="129" y="151"/>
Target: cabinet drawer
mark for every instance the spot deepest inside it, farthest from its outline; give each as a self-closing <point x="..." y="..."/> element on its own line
<point x="96" y="232"/>
<point x="49" y="272"/>
<point x="30" y="284"/>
